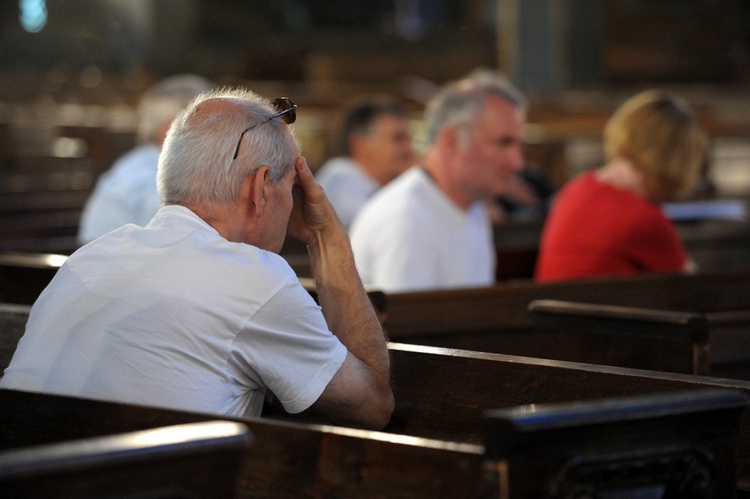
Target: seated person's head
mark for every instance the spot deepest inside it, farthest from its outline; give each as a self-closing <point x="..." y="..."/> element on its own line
<point x="198" y="166"/>
<point x="459" y="103"/>
<point x="475" y="130"/>
<point x="658" y="134"/>
<point x="375" y="133"/>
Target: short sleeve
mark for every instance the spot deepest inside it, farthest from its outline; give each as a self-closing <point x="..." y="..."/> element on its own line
<point x="288" y="345"/>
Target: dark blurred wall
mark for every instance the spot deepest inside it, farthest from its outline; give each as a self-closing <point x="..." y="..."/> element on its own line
<point x="558" y="44"/>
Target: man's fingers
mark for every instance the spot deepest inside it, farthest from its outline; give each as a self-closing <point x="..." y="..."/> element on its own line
<point x="303" y="171"/>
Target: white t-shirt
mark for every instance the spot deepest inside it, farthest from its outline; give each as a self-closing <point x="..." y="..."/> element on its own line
<point x="124" y="194"/>
<point x="347" y="185"/>
<point x="173" y="315"/>
<point x="410" y="237"/>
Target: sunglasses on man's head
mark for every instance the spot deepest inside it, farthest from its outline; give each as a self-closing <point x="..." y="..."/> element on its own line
<point x="285" y="109"/>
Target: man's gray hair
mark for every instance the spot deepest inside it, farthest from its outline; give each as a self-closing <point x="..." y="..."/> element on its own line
<point x="460" y="102"/>
<point x="196" y="163"/>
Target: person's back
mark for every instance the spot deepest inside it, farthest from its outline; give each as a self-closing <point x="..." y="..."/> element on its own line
<point x="197" y="311"/>
<point x="600" y="230"/>
<point x="374" y="147"/>
<point x="609" y="221"/>
<point x="126" y="193"/>
<point x="139" y="347"/>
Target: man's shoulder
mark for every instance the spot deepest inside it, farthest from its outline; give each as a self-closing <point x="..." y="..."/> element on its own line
<point x="137" y="167"/>
<point x="405" y="192"/>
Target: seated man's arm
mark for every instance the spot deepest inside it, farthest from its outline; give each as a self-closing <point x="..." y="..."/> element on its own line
<point x="360" y="392"/>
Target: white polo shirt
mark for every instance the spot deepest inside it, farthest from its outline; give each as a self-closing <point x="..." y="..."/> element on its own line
<point x="410" y="236"/>
<point x="173" y="315"/>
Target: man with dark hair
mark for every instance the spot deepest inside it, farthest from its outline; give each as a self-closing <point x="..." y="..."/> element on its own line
<point x="375" y="147"/>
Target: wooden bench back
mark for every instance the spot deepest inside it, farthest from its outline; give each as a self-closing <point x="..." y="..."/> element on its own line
<point x="497" y="319"/>
<point x="433" y="313"/>
<point x="668" y="335"/>
<point x="666" y="453"/>
<point x="428" y="379"/>
<point x="443" y="394"/>
<point x="285" y="460"/>
<point x="198" y="460"/>
<point x="292" y="460"/>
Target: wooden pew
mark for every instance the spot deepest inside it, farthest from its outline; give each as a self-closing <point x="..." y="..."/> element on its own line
<point x="286" y="459"/>
<point x="441" y="395"/>
<point x="431" y="379"/>
<point x="198" y="460"/>
<point x="496" y="319"/>
<point x="686" y="336"/>
<point x="41" y="222"/>
<point x="626" y="336"/>
<point x="23" y="276"/>
<point x="631" y="469"/>
<point x="293" y="460"/>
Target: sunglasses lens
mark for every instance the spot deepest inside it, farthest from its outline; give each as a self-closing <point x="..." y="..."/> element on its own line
<point x="286" y="108"/>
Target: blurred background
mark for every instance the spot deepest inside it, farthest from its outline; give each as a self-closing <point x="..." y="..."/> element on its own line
<point x="71" y="73"/>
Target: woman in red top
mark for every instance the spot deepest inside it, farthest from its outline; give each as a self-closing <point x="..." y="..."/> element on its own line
<point x="608" y="221"/>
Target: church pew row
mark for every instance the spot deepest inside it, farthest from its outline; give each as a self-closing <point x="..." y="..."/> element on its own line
<point x="624" y="336"/>
<point x="198" y="460"/>
<point x="674" y="442"/>
<point x="417" y="376"/>
<point x="719" y="342"/>
<point x="472" y="382"/>
<point x="440" y="393"/>
<point x="496" y="319"/>
<point x="443" y="394"/>
<point x="287" y="459"/>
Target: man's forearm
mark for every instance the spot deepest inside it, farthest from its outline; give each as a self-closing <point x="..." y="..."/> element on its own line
<point x="345" y="304"/>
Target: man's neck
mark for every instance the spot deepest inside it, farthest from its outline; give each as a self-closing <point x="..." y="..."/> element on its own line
<point x="436" y="171"/>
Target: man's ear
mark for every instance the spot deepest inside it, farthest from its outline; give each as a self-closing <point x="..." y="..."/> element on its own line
<point x="256" y="189"/>
<point x="449" y="137"/>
